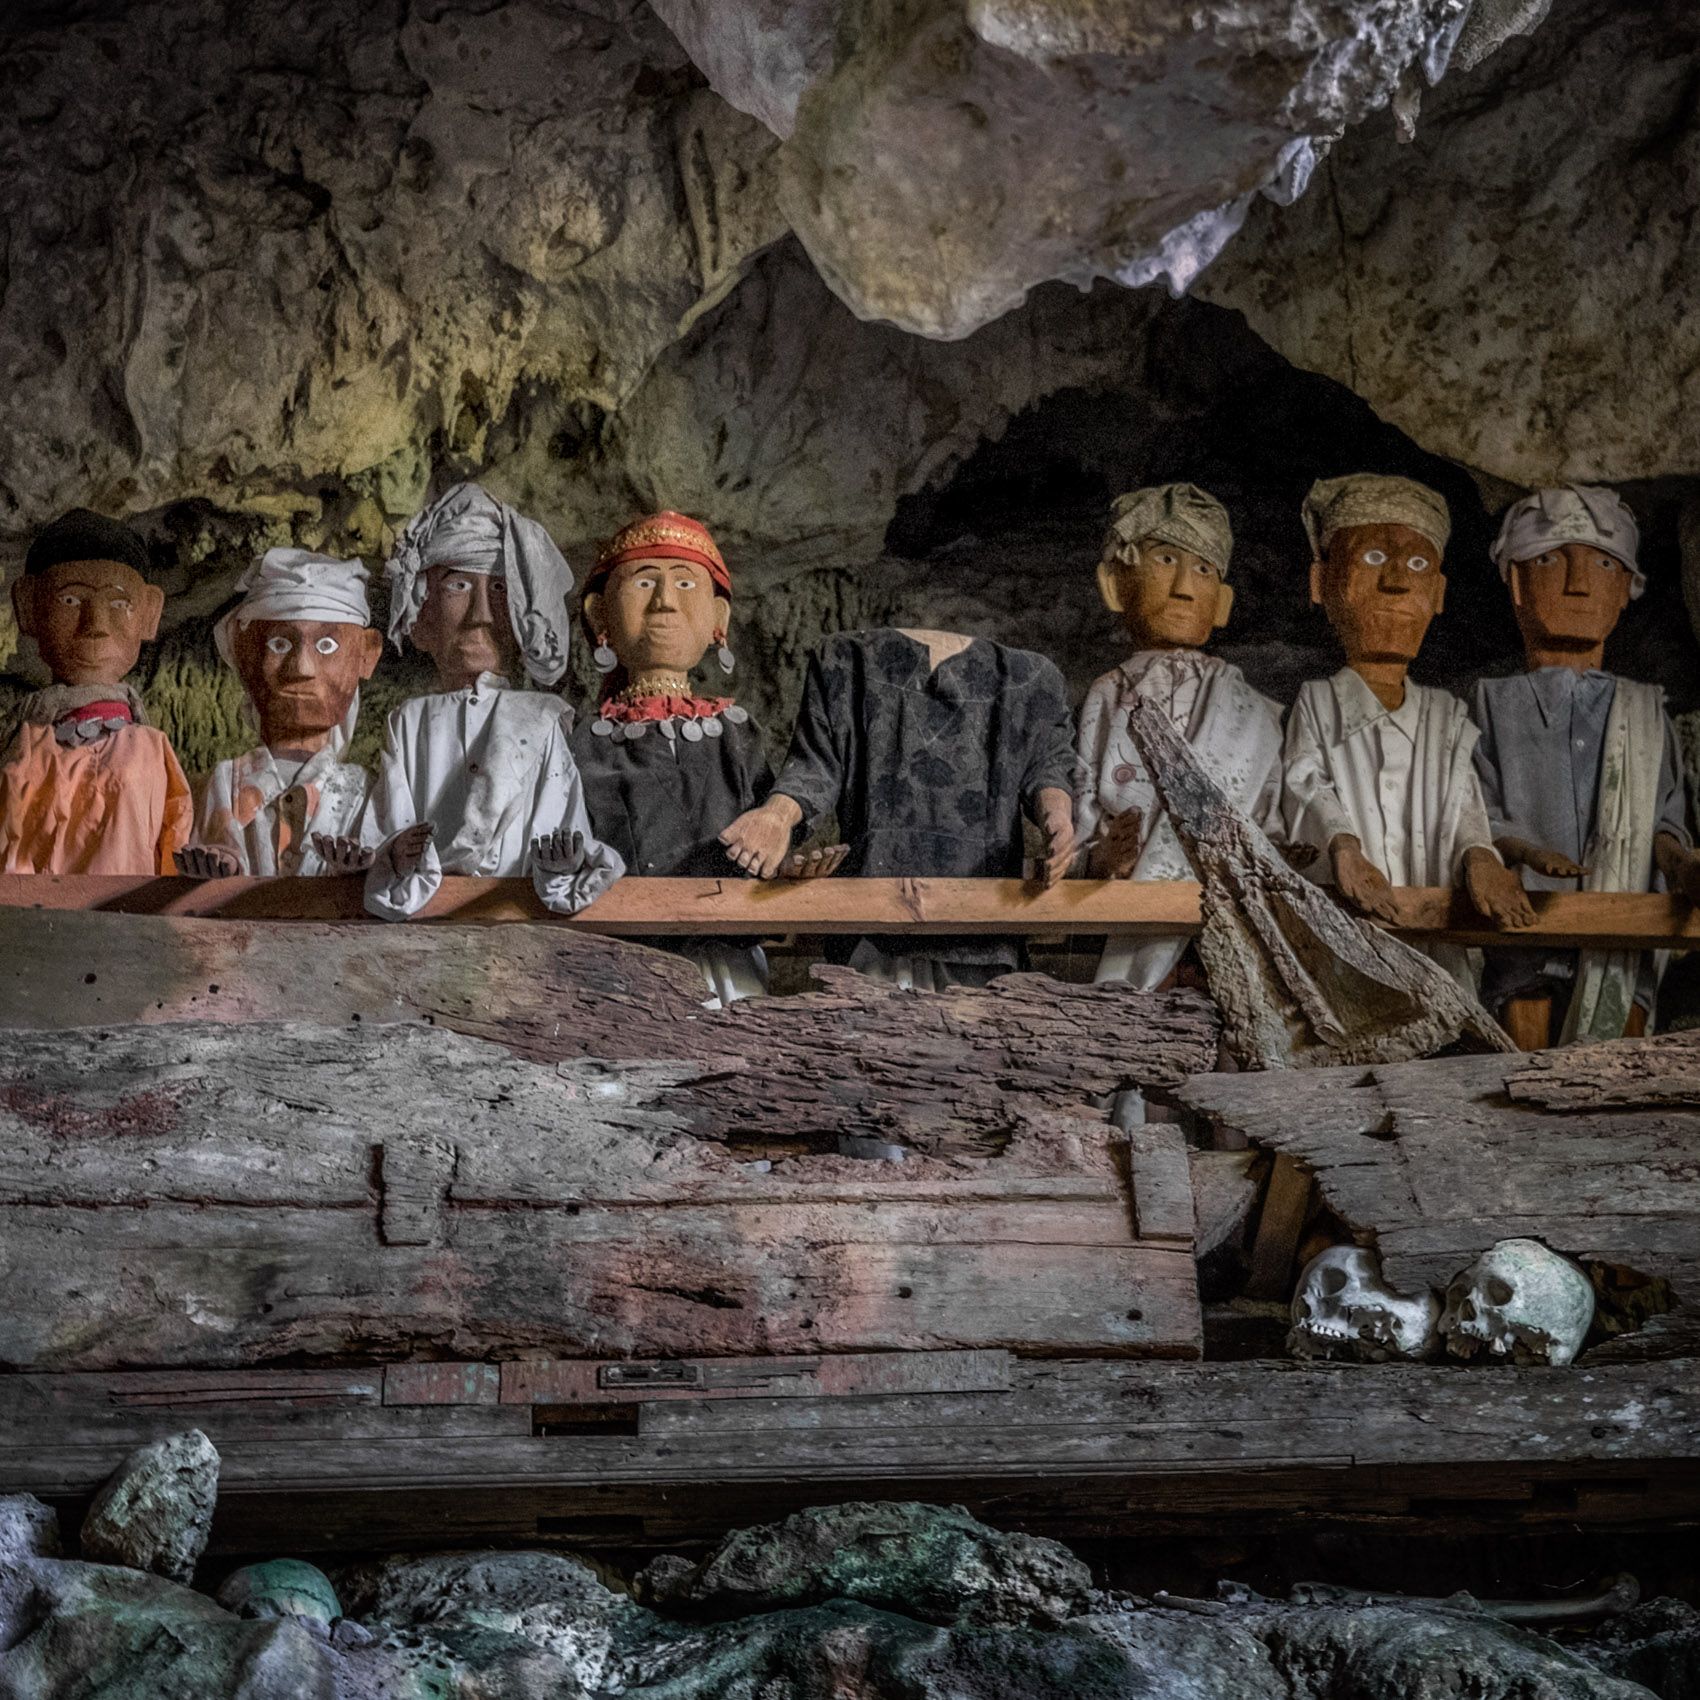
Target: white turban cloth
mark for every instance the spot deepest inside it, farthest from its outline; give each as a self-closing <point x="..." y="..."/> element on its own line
<point x="297" y="584"/>
<point x="466" y="527"/>
<point x="1571" y="513"/>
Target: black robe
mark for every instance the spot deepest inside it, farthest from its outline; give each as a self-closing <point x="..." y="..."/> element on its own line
<point x="929" y="770"/>
<point x="663" y="802"/>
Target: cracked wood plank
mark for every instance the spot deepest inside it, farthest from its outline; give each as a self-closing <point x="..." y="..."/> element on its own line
<point x="1434" y="1161"/>
<point x="1117" y="1447"/>
<point x="461" y="1202"/>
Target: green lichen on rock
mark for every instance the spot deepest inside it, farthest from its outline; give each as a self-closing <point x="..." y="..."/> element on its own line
<point x="931" y="1562"/>
<point x="281" y="1587"/>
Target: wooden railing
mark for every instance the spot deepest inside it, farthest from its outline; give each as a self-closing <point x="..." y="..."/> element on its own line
<point x="638" y="908"/>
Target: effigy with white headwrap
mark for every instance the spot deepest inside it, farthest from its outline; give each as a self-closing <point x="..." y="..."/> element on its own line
<point x="299" y="584"/>
<point x="466" y="527"/>
<point x="1570" y="513"/>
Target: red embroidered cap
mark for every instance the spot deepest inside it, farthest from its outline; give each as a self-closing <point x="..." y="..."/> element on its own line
<point x="665" y="536"/>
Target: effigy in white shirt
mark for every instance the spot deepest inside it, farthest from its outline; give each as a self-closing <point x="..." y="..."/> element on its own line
<point x="1235" y="732"/>
<point x="489" y="767"/>
<point x="1401" y="781"/>
<point x="267" y="811"/>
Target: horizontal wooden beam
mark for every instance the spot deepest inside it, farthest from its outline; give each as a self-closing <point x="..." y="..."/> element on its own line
<point x="639" y="908"/>
<point x="325" y="1463"/>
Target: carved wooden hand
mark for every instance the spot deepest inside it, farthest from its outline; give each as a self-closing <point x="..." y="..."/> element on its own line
<point x="207" y="862"/>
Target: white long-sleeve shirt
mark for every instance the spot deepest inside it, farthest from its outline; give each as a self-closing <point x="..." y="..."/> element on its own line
<point x="1401" y="781"/>
<point x="267" y="813"/>
<point x="489" y="767"/>
<point x="1235" y="733"/>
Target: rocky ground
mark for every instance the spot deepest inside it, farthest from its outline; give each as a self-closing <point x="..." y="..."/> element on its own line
<point x="856" y="1602"/>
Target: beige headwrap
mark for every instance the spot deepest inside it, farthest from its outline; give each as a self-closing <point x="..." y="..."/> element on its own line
<point x="1570" y="513"/>
<point x="1180" y="514"/>
<point x="1369" y="498"/>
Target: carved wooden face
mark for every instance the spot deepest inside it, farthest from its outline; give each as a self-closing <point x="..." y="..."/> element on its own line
<point x="1379" y="585"/>
<point x="1570" y="597"/>
<point x="659" y="615"/>
<point x="464" y="625"/>
<point x="301" y="675"/>
<point x="88" y="618"/>
<point x="1168" y="597"/>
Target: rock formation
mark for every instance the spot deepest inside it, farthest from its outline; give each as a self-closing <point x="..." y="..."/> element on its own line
<point x="1015" y="1620"/>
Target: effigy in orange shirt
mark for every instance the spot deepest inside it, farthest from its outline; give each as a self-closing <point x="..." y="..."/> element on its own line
<point x="86" y="785"/>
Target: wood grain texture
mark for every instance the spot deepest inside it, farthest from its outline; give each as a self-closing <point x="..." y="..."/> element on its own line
<point x="1088" y="1446"/>
<point x="204" y="1195"/>
<point x="1434" y="1161"/>
<point x="636" y="908"/>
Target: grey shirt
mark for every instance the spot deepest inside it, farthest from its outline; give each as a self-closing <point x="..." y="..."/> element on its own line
<point x="1543" y="739"/>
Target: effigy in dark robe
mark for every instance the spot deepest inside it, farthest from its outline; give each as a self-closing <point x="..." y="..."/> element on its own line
<point x="932" y="749"/>
<point x="664" y="768"/>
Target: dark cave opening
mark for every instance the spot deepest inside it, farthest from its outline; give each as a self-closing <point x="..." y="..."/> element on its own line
<point x="1210" y="403"/>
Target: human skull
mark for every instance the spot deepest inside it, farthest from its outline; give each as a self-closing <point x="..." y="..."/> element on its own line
<point x="1343" y="1308"/>
<point x="1519" y="1300"/>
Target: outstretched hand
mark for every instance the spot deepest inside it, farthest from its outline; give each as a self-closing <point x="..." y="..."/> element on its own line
<point x="760" y="838"/>
<point x="1360" y="882"/>
<point x="815" y="864"/>
<point x="1495" y="889"/>
<point x="559" y="852"/>
<point x="207" y="862"/>
<point x="406" y="851"/>
<point x="1520" y="853"/>
<point x="1115" y="852"/>
<point x="343" y="855"/>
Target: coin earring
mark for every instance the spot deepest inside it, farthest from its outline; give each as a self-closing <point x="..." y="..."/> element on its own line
<point x="606" y="660"/>
<point x="724" y="655"/>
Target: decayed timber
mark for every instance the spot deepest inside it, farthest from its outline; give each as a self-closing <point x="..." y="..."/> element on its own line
<point x="856" y="1057"/>
<point x="639" y="908"/>
<point x="1300" y="982"/>
<point x="1434" y="1161"/>
<point x="318" y="1460"/>
<point x="212" y="1195"/>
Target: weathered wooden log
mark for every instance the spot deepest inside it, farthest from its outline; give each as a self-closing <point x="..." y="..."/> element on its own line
<point x="1300" y="983"/>
<point x="223" y="1195"/>
<point x="1435" y="1161"/>
<point x="954" y="1070"/>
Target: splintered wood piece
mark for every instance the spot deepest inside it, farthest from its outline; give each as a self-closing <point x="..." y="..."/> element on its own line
<point x="1435" y="1161"/>
<point x="1286" y="1203"/>
<point x="1299" y="982"/>
<point x="1162" y="1183"/>
<point x="1630" y="1072"/>
<point x="409" y="1192"/>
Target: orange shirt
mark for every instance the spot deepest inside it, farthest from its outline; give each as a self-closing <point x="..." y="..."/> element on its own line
<point x="118" y="805"/>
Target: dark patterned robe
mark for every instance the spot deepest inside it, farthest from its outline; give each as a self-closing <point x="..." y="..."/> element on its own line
<point x="929" y="770"/>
